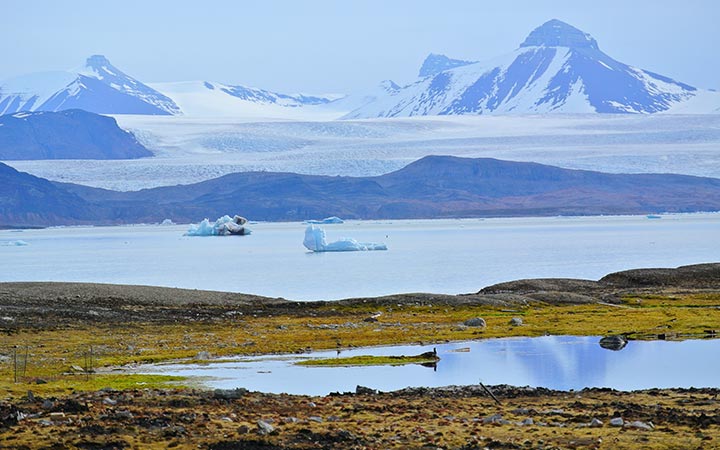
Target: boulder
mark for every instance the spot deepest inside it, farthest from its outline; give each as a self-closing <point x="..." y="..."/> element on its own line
<point x="362" y="390"/>
<point x="264" y="427"/>
<point x="617" y="422"/>
<point x="229" y="394"/>
<point x="638" y="425"/>
<point x="596" y="423"/>
<point x="616" y="342"/>
<point x="475" y="322"/>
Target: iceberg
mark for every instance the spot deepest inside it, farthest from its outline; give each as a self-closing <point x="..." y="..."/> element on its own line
<point x="224" y="226"/>
<point x="325" y="221"/>
<point x="18" y="243"/>
<point x="315" y="241"/>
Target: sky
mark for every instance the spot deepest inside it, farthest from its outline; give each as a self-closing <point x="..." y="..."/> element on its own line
<point x="341" y="46"/>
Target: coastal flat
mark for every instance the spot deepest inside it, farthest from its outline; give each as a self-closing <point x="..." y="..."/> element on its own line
<point x="77" y="339"/>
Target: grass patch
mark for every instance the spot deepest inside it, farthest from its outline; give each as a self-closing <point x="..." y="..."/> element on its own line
<point x="60" y="384"/>
<point x="368" y="360"/>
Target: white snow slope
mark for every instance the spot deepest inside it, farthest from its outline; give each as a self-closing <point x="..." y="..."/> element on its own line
<point x="211" y="99"/>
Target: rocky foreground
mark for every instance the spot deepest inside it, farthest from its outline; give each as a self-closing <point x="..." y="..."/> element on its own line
<point x="441" y="418"/>
<point x="60" y="341"/>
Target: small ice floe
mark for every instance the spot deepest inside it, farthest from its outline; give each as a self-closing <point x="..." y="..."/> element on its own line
<point x="315" y="241"/>
<point x="325" y="221"/>
<point x="224" y="226"/>
<point x="167" y="222"/>
<point x="18" y="243"/>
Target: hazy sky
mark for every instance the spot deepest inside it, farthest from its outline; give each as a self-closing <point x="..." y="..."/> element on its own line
<point x="325" y="46"/>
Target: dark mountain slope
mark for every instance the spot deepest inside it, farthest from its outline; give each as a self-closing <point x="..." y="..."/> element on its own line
<point x="26" y="200"/>
<point x="433" y="187"/>
<point x="71" y="134"/>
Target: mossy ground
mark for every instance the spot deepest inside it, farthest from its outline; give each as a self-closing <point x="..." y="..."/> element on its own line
<point x="52" y="352"/>
<point x="372" y="421"/>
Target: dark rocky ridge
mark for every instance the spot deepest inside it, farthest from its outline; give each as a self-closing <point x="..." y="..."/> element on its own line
<point x="432" y="187"/>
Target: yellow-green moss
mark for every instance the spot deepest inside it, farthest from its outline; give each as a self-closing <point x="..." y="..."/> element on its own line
<point x="51" y="353"/>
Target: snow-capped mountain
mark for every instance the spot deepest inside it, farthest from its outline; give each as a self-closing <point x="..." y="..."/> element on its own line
<point x="558" y="68"/>
<point x="206" y="98"/>
<point x="97" y="86"/>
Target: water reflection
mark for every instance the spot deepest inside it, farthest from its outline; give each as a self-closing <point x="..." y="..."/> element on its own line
<point x="557" y="362"/>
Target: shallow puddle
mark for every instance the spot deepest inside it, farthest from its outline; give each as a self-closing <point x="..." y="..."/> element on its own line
<point x="556" y="362"/>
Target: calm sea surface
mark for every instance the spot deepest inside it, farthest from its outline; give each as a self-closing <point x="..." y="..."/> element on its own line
<point x="439" y="256"/>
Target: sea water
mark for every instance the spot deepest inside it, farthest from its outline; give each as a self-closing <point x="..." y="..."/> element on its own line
<point x="438" y="256"/>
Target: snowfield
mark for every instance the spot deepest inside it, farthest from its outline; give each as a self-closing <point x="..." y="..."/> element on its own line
<point x="192" y="149"/>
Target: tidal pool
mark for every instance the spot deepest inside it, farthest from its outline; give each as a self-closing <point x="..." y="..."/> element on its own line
<point x="556" y="362"/>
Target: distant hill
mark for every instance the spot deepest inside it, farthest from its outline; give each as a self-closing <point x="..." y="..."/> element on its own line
<point x="26" y="200"/>
<point x="71" y="134"/>
<point x="433" y="187"/>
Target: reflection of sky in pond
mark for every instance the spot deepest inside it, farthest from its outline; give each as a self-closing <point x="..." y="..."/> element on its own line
<point x="557" y="362"/>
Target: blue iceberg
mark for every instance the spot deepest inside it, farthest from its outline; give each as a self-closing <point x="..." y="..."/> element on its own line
<point x="224" y="226"/>
<point x="325" y="221"/>
<point x="315" y="241"/>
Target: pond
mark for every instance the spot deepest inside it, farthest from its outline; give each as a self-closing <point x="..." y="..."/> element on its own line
<point x="555" y="362"/>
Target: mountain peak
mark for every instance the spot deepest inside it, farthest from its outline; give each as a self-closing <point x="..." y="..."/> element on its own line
<point x="97" y="61"/>
<point x="436" y="63"/>
<point x="389" y="86"/>
<point x="556" y="33"/>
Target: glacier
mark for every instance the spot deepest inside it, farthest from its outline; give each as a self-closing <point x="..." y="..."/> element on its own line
<point x="224" y="226"/>
<point x="315" y="241"/>
<point x="189" y="150"/>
